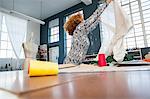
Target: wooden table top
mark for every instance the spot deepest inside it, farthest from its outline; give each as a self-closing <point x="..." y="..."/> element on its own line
<point x="103" y="85"/>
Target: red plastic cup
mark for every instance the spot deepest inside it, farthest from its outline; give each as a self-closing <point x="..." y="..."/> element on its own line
<point x="102" y="60"/>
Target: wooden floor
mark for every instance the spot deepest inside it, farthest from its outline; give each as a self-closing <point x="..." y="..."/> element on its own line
<point x="102" y="85"/>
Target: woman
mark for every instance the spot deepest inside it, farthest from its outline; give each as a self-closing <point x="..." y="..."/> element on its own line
<point x="79" y="29"/>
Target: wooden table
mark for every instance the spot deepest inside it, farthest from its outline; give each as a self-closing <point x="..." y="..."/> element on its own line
<point x="103" y="85"/>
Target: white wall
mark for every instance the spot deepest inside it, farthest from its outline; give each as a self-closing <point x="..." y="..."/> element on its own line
<point x="35" y="28"/>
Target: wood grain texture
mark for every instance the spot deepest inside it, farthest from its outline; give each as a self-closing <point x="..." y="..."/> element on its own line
<point x="104" y="85"/>
<point x="19" y="82"/>
<point x="112" y="85"/>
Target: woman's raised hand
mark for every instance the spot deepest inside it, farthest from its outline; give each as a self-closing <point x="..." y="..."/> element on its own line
<point x="108" y="1"/>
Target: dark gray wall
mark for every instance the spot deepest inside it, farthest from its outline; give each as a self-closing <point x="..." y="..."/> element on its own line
<point x="94" y="36"/>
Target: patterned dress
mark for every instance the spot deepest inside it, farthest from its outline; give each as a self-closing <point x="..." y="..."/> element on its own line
<point x="80" y="43"/>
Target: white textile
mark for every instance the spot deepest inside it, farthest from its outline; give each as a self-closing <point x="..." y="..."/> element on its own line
<point x="116" y="24"/>
<point x="1" y="21"/>
<point x="17" y="29"/>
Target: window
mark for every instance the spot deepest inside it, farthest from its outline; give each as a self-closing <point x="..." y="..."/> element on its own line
<point x="54" y="54"/>
<point x="139" y="12"/>
<point x="53" y="35"/>
<point x="6" y="50"/>
<point x="68" y="38"/>
<point x="68" y="42"/>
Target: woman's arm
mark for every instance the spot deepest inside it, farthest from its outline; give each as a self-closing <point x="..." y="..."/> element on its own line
<point x="94" y="19"/>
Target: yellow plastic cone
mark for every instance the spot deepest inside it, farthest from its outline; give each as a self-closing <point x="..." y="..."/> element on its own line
<point x="41" y="68"/>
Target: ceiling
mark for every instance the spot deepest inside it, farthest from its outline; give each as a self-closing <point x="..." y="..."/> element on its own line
<point x="33" y="7"/>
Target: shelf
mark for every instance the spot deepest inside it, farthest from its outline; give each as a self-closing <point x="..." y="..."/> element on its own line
<point x="136" y="54"/>
<point x="134" y="51"/>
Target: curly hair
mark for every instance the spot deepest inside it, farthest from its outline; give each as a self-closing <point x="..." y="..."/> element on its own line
<point x="72" y="22"/>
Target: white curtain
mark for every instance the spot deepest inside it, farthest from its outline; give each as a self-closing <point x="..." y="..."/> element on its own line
<point x="17" y="29"/>
<point x="0" y="27"/>
<point x="116" y="24"/>
<point x="0" y="21"/>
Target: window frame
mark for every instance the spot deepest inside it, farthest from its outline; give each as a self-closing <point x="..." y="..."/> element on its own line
<point x="67" y="36"/>
<point x="50" y="35"/>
